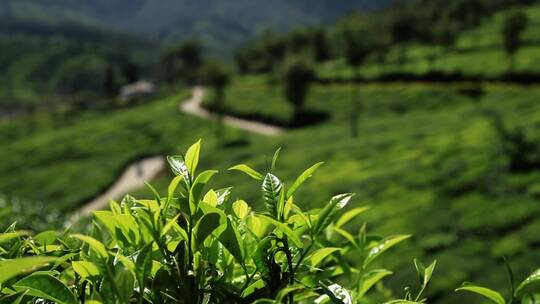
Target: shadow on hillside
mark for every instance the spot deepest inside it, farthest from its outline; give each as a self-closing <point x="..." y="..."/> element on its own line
<point x="305" y="118"/>
<point x="439" y="77"/>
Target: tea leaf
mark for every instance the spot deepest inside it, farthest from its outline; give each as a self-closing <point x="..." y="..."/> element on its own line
<point x="85" y="269"/>
<point x="383" y="246"/>
<point x="302" y="178"/>
<point x="329" y="212"/>
<point x="319" y="255"/>
<point x="47" y="287"/>
<point x="371" y="278"/>
<point x="15" y="267"/>
<point x="247" y="170"/>
<point x="485" y="292"/>
<point x="94" y="244"/>
<point x="192" y="157"/>
<point x="271" y="188"/>
<point x="531" y="279"/>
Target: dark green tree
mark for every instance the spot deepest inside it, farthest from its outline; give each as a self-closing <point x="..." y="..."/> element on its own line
<point x="182" y="62"/>
<point x="358" y="46"/>
<point x="298" y="75"/>
<point x="216" y="75"/>
<point x="109" y="81"/>
<point x="513" y="26"/>
<point x="321" y="49"/>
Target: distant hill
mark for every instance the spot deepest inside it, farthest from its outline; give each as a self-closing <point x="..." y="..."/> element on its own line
<point x="220" y="24"/>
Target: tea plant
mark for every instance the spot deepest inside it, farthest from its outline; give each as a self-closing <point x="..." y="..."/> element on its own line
<point x="196" y="246"/>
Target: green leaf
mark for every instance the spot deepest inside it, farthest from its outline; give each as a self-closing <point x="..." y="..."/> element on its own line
<point x="424" y="274"/>
<point x="531" y="279"/>
<point x="169" y="225"/>
<point x="192" y="157"/>
<point x="271" y="188"/>
<point x="179" y="168"/>
<point x="85" y="269"/>
<point x="15" y="267"/>
<point x="195" y="194"/>
<point x="46" y="237"/>
<point x="46" y="286"/>
<point x="349" y="215"/>
<point x="144" y="264"/>
<point x="371" y="278"/>
<point x="9" y="236"/>
<point x="15" y="298"/>
<point x="383" y="246"/>
<point x="94" y="244"/>
<point x="206" y="225"/>
<point x="247" y="170"/>
<point x="274" y="160"/>
<point x="230" y="238"/>
<point x="346" y="235"/>
<point x="302" y="178"/>
<point x="284" y="229"/>
<point x="240" y="208"/>
<point x="336" y="293"/>
<point x="483" y="291"/>
<point x="284" y="292"/>
<point x="172" y="187"/>
<point x="319" y="255"/>
<point x="329" y="212"/>
<point x="125" y="282"/>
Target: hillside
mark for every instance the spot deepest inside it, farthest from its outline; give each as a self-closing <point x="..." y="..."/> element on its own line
<point x="477" y="52"/>
<point x="221" y="25"/>
<point x="44" y="64"/>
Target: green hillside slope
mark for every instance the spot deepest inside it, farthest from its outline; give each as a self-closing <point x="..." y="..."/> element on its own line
<point x="477" y="52"/>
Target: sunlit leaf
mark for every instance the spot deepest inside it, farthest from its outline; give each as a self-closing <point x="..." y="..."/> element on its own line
<point x="371" y="278"/>
<point x="85" y="269"/>
<point x="179" y="168"/>
<point x="271" y="189"/>
<point x="15" y="267"/>
<point x="336" y="293"/>
<point x="195" y="193"/>
<point x="302" y="178"/>
<point x="383" y="246"/>
<point x="483" y="291"/>
<point x="329" y="212"/>
<point x="315" y="258"/>
<point x="192" y="157"/>
<point x="248" y="170"/>
<point x="533" y="278"/>
<point x="284" y="229"/>
<point x="240" y="208"/>
<point x="349" y="215"/>
<point x="94" y="244"/>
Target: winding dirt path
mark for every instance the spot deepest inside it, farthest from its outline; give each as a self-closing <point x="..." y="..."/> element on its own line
<point x="137" y="173"/>
<point x="193" y="107"/>
<point x="131" y="179"/>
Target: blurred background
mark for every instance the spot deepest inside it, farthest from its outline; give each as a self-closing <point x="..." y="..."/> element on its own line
<point x="427" y="109"/>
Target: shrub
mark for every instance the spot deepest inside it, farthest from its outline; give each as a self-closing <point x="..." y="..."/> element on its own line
<point x="196" y="246"/>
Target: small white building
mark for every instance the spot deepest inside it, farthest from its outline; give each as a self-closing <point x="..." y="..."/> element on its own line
<point x="138" y="89"/>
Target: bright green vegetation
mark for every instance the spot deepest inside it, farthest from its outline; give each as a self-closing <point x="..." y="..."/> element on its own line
<point x="64" y="159"/>
<point x="430" y="163"/>
<point x="194" y="245"/>
<point x="477" y="52"/>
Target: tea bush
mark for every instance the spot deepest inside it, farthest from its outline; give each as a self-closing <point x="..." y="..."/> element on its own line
<point x="197" y="246"/>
